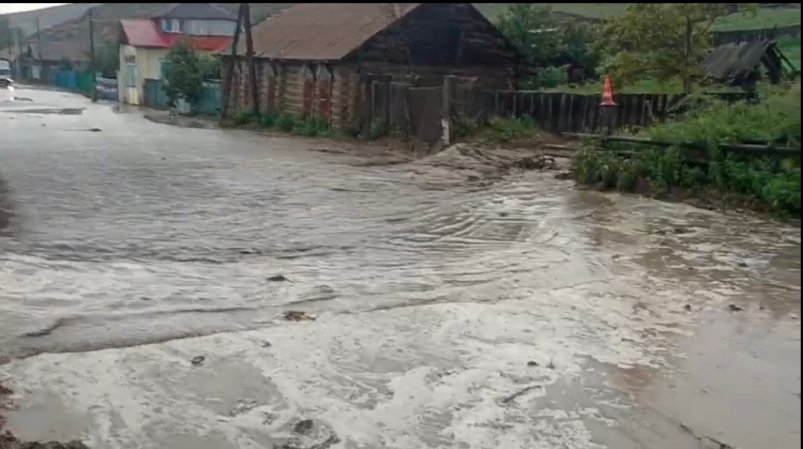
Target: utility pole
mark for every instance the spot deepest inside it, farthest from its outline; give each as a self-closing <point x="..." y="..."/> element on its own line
<point x="39" y="42"/>
<point x="249" y="48"/>
<point x="92" y="56"/>
<point x="230" y="73"/>
<point x="19" y="53"/>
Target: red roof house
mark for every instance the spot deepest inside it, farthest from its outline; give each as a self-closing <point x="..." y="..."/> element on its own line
<point x="146" y="42"/>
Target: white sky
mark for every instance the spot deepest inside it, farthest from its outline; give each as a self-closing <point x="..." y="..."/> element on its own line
<point x="6" y="8"/>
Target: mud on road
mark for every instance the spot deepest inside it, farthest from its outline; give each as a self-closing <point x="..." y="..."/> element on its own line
<point x="458" y="300"/>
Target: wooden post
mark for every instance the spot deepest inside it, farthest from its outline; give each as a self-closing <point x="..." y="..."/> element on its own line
<point x="92" y="67"/>
<point x="232" y="62"/>
<point x="446" y="108"/>
<point x="249" y="55"/>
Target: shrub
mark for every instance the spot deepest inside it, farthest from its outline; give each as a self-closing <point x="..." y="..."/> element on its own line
<point x="377" y="130"/>
<point x="507" y="129"/>
<point x="267" y="120"/>
<point x="286" y="122"/>
<point x="549" y="77"/>
<point x="775" y="184"/>
<point x="243" y="118"/>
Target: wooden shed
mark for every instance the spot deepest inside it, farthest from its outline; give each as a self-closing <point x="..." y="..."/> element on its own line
<point x="312" y="60"/>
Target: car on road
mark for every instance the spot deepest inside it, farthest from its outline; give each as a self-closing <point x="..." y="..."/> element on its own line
<point x="5" y="74"/>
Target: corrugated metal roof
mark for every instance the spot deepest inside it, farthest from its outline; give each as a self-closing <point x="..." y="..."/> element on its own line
<point x="323" y="31"/>
<point x="145" y="33"/>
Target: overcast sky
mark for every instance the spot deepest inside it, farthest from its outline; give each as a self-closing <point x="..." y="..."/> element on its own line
<point x="16" y="7"/>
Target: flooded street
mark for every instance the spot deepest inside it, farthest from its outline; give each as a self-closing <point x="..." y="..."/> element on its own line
<point x="521" y="313"/>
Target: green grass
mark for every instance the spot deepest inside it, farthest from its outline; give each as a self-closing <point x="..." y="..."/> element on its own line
<point x="790" y="47"/>
<point x="764" y="18"/>
<point x="645" y="86"/>
<point x="749" y="179"/>
<point x="590" y="10"/>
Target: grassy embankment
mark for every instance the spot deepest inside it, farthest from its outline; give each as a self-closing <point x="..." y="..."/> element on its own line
<point x="760" y="182"/>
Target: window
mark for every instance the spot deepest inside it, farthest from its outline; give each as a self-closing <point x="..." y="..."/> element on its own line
<point x="209" y="27"/>
<point x="171" y="25"/>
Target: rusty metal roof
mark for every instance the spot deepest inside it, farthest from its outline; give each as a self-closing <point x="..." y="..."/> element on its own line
<point x="323" y="31"/>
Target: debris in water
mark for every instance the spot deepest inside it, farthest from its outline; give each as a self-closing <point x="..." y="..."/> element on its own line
<point x="515" y="395"/>
<point x="309" y="434"/>
<point x="687" y="307"/>
<point x="532" y="363"/>
<point x="243" y="406"/>
<point x="266" y="344"/>
<point x="303" y="427"/>
<point x="743" y="264"/>
<point x="278" y="278"/>
<point x="198" y="360"/>
<point x="735" y="308"/>
<point x="551" y="365"/>
<point x="564" y="175"/>
<point x="9" y="441"/>
<point x="297" y="315"/>
<point x="503" y="214"/>
<point x="681" y="231"/>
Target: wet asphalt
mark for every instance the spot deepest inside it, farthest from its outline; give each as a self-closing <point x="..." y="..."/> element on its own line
<point x="521" y="313"/>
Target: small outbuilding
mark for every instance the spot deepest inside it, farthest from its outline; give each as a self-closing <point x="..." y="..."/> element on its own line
<point x="312" y="59"/>
<point x="744" y="63"/>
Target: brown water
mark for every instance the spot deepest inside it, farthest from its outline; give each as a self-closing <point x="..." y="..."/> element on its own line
<point x="127" y="252"/>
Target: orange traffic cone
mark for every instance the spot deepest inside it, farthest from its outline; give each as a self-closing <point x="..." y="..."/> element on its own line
<point x="607" y="93"/>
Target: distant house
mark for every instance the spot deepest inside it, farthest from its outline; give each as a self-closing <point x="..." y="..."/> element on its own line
<point x="312" y="57"/>
<point x="39" y="60"/>
<point x="146" y="42"/>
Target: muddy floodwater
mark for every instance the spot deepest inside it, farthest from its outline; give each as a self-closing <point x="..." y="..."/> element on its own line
<point x="141" y="304"/>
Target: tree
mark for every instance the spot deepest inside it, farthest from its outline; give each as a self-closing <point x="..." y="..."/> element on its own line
<point x="209" y="66"/>
<point x="661" y="40"/>
<point x="533" y="30"/>
<point x="107" y="59"/>
<point x="546" y="40"/>
<point x="184" y="77"/>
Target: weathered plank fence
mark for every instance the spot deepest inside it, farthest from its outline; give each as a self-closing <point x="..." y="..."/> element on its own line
<point x="565" y="112"/>
<point x="420" y="112"/>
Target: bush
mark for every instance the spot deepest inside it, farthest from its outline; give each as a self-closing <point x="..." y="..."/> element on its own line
<point x="184" y="77"/>
<point x="774" y="184"/>
<point x="243" y="118"/>
<point x="378" y="129"/>
<point x="776" y="119"/>
<point x="311" y="127"/>
<point x="267" y="120"/>
<point x="286" y="122"/>
<point x="507" y="129"/>
<point x="549" y="77"/>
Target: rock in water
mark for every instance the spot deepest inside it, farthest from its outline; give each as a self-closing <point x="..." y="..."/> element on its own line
<point x="297" y="315"/>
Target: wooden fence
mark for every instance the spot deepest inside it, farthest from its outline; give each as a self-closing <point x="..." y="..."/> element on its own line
<point x="419" y="111"/>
